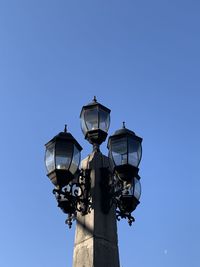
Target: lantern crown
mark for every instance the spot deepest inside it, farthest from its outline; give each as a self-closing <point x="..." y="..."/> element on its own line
<point x="124" y="132"/>
<point x="95" y="103"/>
<point x="64" y="136"/>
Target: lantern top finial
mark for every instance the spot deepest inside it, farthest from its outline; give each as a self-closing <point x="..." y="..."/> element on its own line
<point x="124" y="125"/>
<point x="65" y="129"/>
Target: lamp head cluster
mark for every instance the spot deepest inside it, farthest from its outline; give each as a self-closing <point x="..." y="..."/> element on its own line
<point x="72" y="185"/>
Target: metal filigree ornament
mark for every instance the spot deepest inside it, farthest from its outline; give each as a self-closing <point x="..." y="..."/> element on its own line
<point x="75" y="197"/>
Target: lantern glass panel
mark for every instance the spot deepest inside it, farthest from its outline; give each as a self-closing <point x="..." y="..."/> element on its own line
<point x="119" y="151"/>
<point x="112" y="165"/>
<point x="83" y="125"/>
<point x="50" y="158"/>
<point x="104" y="120"/>
<point x="91" y="119"/>
<point x="134" y="152"/>
<point x="75" y="161"/>
<point x="63" y="155"/>
<point x="137" y="189"/>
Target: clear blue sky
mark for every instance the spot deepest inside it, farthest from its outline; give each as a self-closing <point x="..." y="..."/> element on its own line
<point x="142" y="60"/>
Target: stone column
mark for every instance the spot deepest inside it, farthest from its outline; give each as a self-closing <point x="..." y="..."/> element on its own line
<point x="96" y="243"/>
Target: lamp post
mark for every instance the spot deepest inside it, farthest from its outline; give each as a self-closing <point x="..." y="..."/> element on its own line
<point x="103" y="190"/>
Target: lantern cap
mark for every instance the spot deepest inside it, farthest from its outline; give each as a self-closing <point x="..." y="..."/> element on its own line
<point x="94" y="103"/>
<point x="124" y="132"/>
<point x="64" y="136"/>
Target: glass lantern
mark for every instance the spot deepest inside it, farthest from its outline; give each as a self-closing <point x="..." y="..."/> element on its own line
<point x="130" y="196"/>
<point x="95" y="122"/>
<point x="62" y="158"/>
<point x="125" y="152"/>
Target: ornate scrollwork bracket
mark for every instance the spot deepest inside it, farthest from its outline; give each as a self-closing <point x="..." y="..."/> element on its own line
<point x="75" y="196"/>
<point x="122" y="215"/>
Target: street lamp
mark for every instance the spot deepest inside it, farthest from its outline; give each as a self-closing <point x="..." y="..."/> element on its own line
<point x="102" y="190"/>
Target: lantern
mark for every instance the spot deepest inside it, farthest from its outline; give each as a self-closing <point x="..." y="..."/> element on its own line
<point x="125" y="152"/>
<point x="129" y="198"/>
<point x="95" y="122"/>
<point x="62" y="158"/>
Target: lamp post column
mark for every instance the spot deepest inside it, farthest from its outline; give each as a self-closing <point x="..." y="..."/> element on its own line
<point x="96" y="242"/>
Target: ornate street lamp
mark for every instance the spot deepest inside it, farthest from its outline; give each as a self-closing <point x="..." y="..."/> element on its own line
<point x="103" y="190"/>
<point x="95" y="122"/>
<point x="62" y="158"/>
<point x="125" y="152"/>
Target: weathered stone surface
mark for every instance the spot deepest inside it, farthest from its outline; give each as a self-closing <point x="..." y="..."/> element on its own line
<point x="96" y="243"/>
